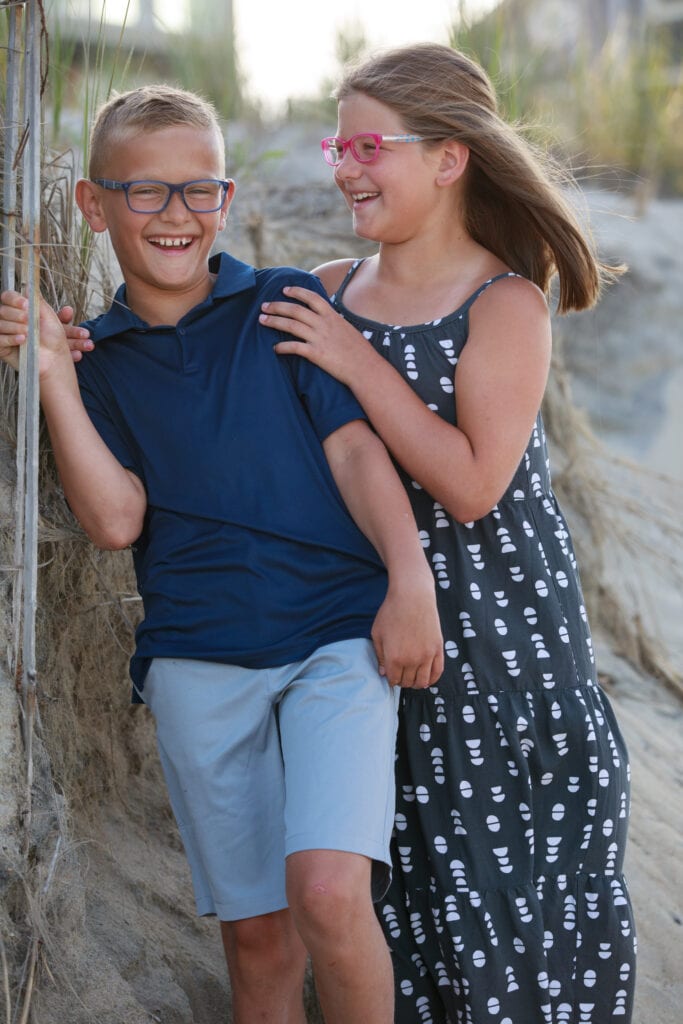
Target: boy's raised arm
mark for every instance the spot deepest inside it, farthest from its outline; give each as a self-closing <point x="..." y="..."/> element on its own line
<point x="406" y="632"/>
<point x="108" y="500"/>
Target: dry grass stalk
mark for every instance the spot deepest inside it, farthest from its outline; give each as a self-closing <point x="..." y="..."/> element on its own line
<point x="5" y="983"/>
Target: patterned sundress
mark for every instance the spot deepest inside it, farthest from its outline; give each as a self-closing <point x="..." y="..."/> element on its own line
<point x="508" y="904"/>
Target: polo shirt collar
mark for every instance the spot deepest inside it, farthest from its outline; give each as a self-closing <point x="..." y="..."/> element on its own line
<point x="232" y="277"/>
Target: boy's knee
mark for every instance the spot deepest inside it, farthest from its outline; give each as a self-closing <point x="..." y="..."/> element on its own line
<point x="323" y="906"/>
<point x="269" y="938"/>
<point x="254" y="932"/>
<point x="326" y="892"/>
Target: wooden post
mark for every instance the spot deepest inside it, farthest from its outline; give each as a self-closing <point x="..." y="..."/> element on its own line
<point x="31" y="235"/>
<point x="9" y="280"/>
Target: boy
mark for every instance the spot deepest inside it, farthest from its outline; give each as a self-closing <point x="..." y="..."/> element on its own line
<point x="225" y="466"/>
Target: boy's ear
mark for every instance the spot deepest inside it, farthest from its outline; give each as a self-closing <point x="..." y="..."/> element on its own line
<point x="88" y="197"/>
<point x="229" y="196"/>
<point x="453" y="162"/>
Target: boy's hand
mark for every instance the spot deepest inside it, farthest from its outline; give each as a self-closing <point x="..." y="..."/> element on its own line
<point x="14" y="331"/>
<point x="407" y="636"/>
<point x="13" y="326"/>
<point x="78" y="338"/>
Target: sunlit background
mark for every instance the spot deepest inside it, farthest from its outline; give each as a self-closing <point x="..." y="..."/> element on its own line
<point x="599" y="79"/>
<point x="285" y="49"/>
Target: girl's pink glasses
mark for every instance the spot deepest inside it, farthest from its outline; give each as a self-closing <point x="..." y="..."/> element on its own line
<point x="364" y="146"/>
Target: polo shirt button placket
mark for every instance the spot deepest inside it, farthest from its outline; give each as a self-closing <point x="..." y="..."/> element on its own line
<point x="189" y="365"/>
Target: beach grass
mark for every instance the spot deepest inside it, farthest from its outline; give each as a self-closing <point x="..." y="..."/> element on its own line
<point x="614" y="113"/>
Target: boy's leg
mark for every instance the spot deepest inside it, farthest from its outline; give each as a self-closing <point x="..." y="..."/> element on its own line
<point x="266" y="963"/>
<point x="222" y="749"/>
<point x="329" y="897"/>
<point x="219" y="747"/>
<point x="337" y="730"/>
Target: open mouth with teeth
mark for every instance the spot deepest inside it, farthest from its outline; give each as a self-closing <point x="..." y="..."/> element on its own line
<point x="363" y="197"/>
<point x="174" y="244"/>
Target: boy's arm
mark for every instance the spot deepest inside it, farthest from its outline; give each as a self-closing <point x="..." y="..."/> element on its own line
<point x="406" y="632"/>
<point x="108" y="500"/>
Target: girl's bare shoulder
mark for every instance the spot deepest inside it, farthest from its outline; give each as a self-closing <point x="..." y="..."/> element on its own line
<point x="511" y="296"/>
<point x="333" y="273"/>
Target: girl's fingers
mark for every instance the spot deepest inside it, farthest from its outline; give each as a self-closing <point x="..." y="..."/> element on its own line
<point x="308" y="309"/>
<point x="79" y="334"/>
<point x="288" y="311"/>
<point x="305" y="295"/>
<point x="292" y="348"/>
<point x="299" y="328"/>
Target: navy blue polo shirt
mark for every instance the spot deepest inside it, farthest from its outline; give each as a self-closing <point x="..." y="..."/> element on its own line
<point x="248" y="554"/>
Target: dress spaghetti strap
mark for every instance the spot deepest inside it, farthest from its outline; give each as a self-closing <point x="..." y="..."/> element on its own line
<point x="339" y="293"/>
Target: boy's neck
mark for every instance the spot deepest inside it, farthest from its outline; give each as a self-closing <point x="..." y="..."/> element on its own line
<point x="155" y="306"/>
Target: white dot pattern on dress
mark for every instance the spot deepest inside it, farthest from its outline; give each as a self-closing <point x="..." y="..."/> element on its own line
<point x="508" y="903"/>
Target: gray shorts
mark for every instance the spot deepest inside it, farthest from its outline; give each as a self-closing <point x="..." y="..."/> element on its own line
<point x="264" y="763"/>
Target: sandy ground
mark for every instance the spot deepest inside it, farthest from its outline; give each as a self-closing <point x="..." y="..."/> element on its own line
<point x="628" y="373"/>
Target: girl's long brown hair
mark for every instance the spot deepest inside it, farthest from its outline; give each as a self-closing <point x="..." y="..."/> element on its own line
<point x="515" y="201"/>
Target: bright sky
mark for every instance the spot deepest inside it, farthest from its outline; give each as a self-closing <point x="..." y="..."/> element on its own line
<point x="287" y="47"/>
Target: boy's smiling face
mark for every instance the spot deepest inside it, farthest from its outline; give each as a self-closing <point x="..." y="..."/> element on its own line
<point x="163" y="256"/>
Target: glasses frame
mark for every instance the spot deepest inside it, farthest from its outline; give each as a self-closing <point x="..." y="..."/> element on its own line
<point x="348" y="144"/>
<point x="125" y="186"/>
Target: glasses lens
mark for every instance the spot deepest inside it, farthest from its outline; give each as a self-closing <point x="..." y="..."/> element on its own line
<point x="203" y="196"/>
<point x="364" y="148"/>
<point x="147" y="196"/>
<point x="199" y="196"/>
<point x="333" y="150"/>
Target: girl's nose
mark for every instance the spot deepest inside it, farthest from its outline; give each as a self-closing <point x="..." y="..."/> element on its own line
<point x="348" y="167"/>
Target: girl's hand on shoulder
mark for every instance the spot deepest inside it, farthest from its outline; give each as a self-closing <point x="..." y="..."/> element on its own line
<point x="323" y="336"/>
<point x="78" y="338"/>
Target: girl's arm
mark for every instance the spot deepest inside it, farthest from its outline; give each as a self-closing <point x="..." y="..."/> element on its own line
<point x="108" y="500"/>
<point x="501" y="376"/>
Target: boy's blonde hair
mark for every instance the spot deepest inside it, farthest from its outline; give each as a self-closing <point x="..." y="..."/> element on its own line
<point x="148" y="108"/>
<point x="514" y="201"/>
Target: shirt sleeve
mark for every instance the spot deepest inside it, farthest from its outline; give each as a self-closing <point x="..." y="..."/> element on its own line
<point x="329" y="403"/>
<point x="102" y="410"/>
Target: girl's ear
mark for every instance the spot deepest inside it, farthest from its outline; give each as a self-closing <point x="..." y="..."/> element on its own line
<point x="453" y="162"/>
<point x="88" y="197"/>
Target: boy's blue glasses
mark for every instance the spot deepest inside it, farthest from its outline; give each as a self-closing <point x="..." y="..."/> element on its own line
<point x="205" y="195"/>
<point x="364" y="146"/>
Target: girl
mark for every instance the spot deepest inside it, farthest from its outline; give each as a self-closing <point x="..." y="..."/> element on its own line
<point x="508" y="903"/>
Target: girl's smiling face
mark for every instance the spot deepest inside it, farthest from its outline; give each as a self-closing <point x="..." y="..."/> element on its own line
<point x="397" y="194"/>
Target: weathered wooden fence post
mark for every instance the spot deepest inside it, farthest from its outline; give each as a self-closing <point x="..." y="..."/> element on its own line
<point x="21" y="260"/>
